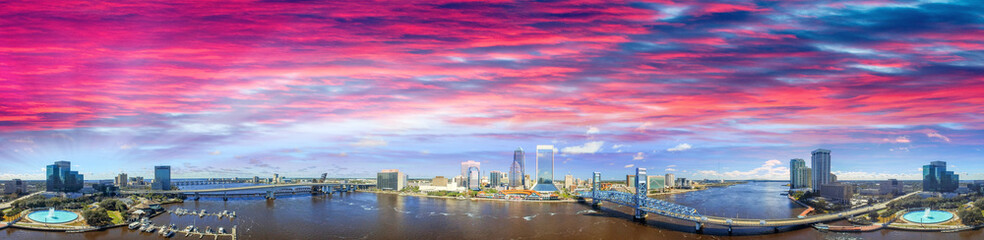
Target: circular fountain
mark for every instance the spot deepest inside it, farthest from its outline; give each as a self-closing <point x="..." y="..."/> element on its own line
<point x="928" y="216"/>
<point x="52" y="216"/>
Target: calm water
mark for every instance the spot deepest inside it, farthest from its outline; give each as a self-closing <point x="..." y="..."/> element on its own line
<point x="383" y="216"/>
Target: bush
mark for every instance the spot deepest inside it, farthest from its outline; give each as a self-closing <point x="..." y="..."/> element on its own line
<point x="97" y="217"/>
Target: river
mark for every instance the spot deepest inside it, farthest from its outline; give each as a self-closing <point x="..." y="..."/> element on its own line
<point x="388" y="216"/>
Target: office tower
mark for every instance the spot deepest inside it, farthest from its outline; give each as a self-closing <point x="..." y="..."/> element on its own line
<point x="518" y="170"/>
<point x="670" y="180"/>
<point x="162" y="178"/>
<point x="630" y="180"/>
<point x="474" y="178"/>
<point x="495" y="178"/>
<point x="891" y="186"/>
<point x="468" y="164"/>
<point x="820" y="163"/>
<point x="439" y="181"/>
<point x="569" y="182"/>
<point x="545" y="169"/>
<point x="120" y="180"/>
<point x="391" y="179"/>
<point x="937" y="179"/>
<point x="256" y="179"/>
<point x="61" y="178"/>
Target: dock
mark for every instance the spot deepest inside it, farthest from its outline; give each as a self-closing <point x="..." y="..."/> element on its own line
<point x="203" y="213"/>
<point x="201" y="235"/>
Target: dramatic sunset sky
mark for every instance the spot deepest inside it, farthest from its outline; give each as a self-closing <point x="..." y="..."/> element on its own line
<point x="701" y="89"/>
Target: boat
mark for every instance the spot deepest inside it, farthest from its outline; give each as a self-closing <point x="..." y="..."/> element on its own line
<point x="143" y="227"/>
<point x="134" y="225"/>
<point x="222" y="230"/>
<point x="208" y="229"/>
<point x="167" y="234"/>
<point x="150" y="229"/>
<point x="189" y="227"/>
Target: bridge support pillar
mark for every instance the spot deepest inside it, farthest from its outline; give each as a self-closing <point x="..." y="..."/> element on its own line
<point x="270" y="195"/>
<point x="197" y="197"/>
<point x="729" y="231"/>
<point x="700" y="227"/>
<point x="776" y="229"/>
<point x="225" y="198"/>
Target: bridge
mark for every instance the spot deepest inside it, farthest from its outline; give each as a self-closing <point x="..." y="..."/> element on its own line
<point x="269" y="191"/>
<point x="644" y="205"/>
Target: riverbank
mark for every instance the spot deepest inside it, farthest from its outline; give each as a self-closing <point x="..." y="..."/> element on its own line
<point x="472" y="199"/>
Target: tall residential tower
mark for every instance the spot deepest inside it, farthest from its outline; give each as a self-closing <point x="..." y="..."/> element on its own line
<point x="821" y="168"/>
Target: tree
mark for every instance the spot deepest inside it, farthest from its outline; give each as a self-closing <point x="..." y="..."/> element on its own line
<point x="113" y="205"/>
<point x="971" y="217"/>
<point x="97" y="217"/>
<point x="873" y="216"/>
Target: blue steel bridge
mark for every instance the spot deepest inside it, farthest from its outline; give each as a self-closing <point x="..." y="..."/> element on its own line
<point x="643" y="205"/>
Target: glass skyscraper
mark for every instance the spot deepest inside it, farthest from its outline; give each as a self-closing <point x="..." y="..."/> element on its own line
<point x="162" y="178"/>
<point x="518" y="170"/>
<point x="61" y="178"/>
<point x="390" y="179"/>
<point x="937" y="179"/>
<point x="544" y="169"/>
<point x="821" y="168"/>
<point x="474" y="178"/>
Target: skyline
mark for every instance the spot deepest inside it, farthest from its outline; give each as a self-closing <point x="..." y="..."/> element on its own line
<point x="725" y="89"/>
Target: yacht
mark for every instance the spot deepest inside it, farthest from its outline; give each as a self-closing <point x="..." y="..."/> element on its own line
<point x="150" y="229"/>
<point x="167" y="234"/>
<point x="134" y="225"/>
<point x="222" y="230"/>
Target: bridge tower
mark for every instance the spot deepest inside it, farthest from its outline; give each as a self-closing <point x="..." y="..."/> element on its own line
<point x="595" y="185"/>
<point x="642" y="188"/>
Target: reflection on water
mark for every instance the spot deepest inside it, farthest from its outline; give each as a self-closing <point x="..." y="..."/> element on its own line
<point x="385" y="216"/>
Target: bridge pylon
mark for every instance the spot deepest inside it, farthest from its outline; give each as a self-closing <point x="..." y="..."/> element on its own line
<point x="641" y="187"/>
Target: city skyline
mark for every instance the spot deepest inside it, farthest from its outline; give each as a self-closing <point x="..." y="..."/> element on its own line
<point x="702" y="90"/>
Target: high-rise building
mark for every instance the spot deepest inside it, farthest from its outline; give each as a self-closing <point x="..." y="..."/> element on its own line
<point x="670" y="180"/>
<point x="162" y="178"/>
<point x="891" y="186"/>
<point x="569" y="182"/>
<point x="796" y="179"/>
<point x="468" y="164"/>
<point x="656" y="183"/>
<point x="391" y="179"/>
<point x="806" y="177"/>
<point x="474" y="178"/>
<point x="120" y="180"/>
<point x="630" y="180"/>
<point x="14" y="186"/>
<point x="256" y="179"/>
<point x="495" y="179"/>
<point x="518" y="170"/>
<point x="545" y="169"/>
<point x="276" y="178"/>
<point x="820" y="162"/>
<point x="61" y="178"/>
<point x="937" y="179"/>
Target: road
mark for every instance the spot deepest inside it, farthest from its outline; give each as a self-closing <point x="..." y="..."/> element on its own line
<point x="6" y="205"/>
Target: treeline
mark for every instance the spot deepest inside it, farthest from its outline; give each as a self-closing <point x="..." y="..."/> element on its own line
<point x="38" y="201"/>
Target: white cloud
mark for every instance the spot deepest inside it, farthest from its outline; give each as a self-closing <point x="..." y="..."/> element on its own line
<point x="680" y="147"/>
<point x="638" y="156"/>
<point x="899" y="149"/>
<point x="369" y="142"/>
<point x="590" y="147"/>
<point x="670" y="169"/>
<point x="938" y="135"/>
<point x="592" y="130"/>
<point x="617" y="146"/>
<point x="771" y="169"/>
<point x="630" y="165"/>
<point x="644" y="126"/>
<point x="217" y="152"/>
<point x="674" y="165"/>
<point x="900" y="139"/>
<point x="127" y="146"/>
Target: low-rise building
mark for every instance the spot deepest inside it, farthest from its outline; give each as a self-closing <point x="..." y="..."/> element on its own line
<point x="891" y="186"/>
<point x="837" y="192"/>
<point x="14" y="186"/>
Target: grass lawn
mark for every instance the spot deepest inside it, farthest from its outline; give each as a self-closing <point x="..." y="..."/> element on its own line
<point x="115" y="215"/>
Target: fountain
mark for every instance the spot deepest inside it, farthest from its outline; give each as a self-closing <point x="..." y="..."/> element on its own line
<point x="51" y="212"/>
<point x="926" y="214"/>
<point x="52" y="216"/>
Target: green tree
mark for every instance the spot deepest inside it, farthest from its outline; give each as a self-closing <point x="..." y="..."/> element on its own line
<point x="971" y="217"/>
<point x="873" y="216"/>
<point x="97" y="217"/>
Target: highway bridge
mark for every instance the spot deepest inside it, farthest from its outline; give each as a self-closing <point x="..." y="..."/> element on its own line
<point x="644" y="205"/>
<point x="268" y="191"/>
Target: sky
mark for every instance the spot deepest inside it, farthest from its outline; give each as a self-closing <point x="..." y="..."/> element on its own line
<point x="700" y="89"/>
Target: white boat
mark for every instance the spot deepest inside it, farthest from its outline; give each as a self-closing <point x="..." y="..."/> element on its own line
<point x="167" y="234"/>
<point x="189" y="227"/>
<point x="222" y="230"/>
<point x="150" y="229"/>
<point x="134" y="225"/>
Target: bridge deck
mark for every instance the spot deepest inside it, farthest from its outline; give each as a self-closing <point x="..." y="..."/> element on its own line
<point x="738" y="222"/>
<point x="257" y="187"/>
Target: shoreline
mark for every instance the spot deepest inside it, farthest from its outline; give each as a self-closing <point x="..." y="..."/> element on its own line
<point x="473" y="199"/>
